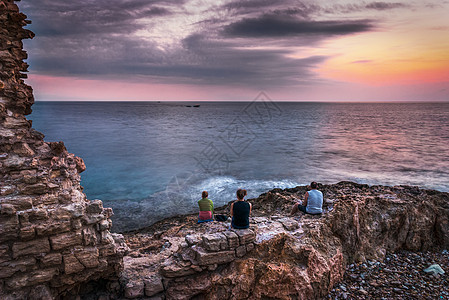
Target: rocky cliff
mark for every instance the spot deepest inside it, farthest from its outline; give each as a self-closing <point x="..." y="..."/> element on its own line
<point x="52" y="239"/>
<point x="282" y="257"/>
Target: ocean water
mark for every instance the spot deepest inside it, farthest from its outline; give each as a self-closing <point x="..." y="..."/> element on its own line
<point x="148" y="160"/>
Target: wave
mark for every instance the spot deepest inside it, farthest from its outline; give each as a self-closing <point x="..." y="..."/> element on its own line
<point x="181" y="196"/>
<point x="221" y="189"/>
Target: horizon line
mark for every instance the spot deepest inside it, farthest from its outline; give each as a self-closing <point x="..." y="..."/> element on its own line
<point x="260" y="100"/>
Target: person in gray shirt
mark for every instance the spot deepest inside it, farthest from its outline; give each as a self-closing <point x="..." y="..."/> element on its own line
<point x="313" y="202"/>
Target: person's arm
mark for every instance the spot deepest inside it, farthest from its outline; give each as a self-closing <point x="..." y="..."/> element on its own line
<point x="250" y="207"/>
<point x="306" y="197"/>
<point x="232" y="209"/>
<point x="211" y="206"/>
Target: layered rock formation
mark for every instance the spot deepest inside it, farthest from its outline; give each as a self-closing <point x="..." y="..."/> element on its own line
<point x="52" y="239"/>
<point x="280" y="257"/>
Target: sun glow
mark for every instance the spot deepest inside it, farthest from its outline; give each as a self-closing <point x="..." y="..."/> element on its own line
<point x="415" y="51"/>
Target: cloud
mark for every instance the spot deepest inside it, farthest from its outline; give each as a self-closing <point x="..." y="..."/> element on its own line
<point x="51" y="18"/>
<point x="363" y="7"/>
<point x="156" y="11"/>
<point x="200" y="43"/>
<point x="97" y="40"/>
<point x="200" y="60"/>
<point x="385" y="5"/>
<point x="93" y="55"/>
<point x="281" y="26"/>
<point x="244" y="7"/>
<point x="226" y="62"/>
<point x="285" y="7"/>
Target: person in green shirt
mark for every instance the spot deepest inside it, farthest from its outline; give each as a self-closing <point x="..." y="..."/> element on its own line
<point x="206" y="208"/>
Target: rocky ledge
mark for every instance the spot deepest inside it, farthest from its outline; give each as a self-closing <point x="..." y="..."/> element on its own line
<point x="282" y="257"/>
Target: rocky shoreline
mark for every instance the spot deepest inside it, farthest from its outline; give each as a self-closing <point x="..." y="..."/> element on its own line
<point x="400" y="275"/>
<point x="300" y="257"/>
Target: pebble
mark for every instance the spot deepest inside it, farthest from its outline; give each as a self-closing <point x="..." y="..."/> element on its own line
<point x="399" y="276"/>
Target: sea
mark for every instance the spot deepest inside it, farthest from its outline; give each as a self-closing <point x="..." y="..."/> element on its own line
<point x="151" y="160"/>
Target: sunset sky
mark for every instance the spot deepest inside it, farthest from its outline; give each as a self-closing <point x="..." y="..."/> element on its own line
<point x="231" y="50"/>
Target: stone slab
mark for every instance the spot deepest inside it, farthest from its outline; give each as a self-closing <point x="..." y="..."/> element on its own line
<point x="34" y="247"/>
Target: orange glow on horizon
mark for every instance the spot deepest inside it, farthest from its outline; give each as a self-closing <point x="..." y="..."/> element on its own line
<point x="372" y="73"/>
<point x="415" y="51"/>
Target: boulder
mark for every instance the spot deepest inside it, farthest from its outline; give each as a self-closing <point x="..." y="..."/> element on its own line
<point x="153" y="285"/>
<point x="245" y="235"/>
<point x="232" y="238"/>
<point x="215" y="242"/>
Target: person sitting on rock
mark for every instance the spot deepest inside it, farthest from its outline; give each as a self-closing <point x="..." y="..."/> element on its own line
<point x="206" y="208"/>
<point x="313" y="202"/>
<point x="240" y="211"/>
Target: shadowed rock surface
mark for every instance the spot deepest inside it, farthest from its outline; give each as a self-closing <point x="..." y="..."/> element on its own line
<point x="52" y="239"/>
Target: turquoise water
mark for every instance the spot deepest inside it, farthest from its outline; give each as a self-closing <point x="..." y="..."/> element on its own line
<point x="158" y="157"/>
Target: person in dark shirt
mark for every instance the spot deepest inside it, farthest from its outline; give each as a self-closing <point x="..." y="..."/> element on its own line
<point x="240" y="211"/>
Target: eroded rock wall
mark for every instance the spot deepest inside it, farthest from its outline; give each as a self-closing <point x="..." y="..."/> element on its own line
<point x="52" y="239"/>
<point x="371" y="221"/>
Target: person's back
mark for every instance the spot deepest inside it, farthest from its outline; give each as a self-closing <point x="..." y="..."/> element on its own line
<point x="314" y="202"/>
<point x="241" y="214"/>
<point x="206" y="204"/>
<point x="240" y="211"/>
<point x="206" y="207"/>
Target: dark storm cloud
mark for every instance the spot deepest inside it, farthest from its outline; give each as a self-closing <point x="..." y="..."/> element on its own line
<point x="281" y="26"/>
<point x="100" y="55"/>
<point x="305" y="9"/>
<point x="246" y="6"/>
<point x="363" y="7"/>
<point x="225" y="62"/>
<point x="286" y="7"/>
<point x="51" y="18"/>
<point x="201" y="60"/>
<point x="302" y="10"/>
<point x="156" y="11"/>
<point x="384" y="5"/>
<point x="241" y="43"/>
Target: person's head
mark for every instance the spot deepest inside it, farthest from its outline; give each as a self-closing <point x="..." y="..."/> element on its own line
<point x="241" y="194"/>
<point x="204" y="194"/>
<point x="313" y="185"/>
